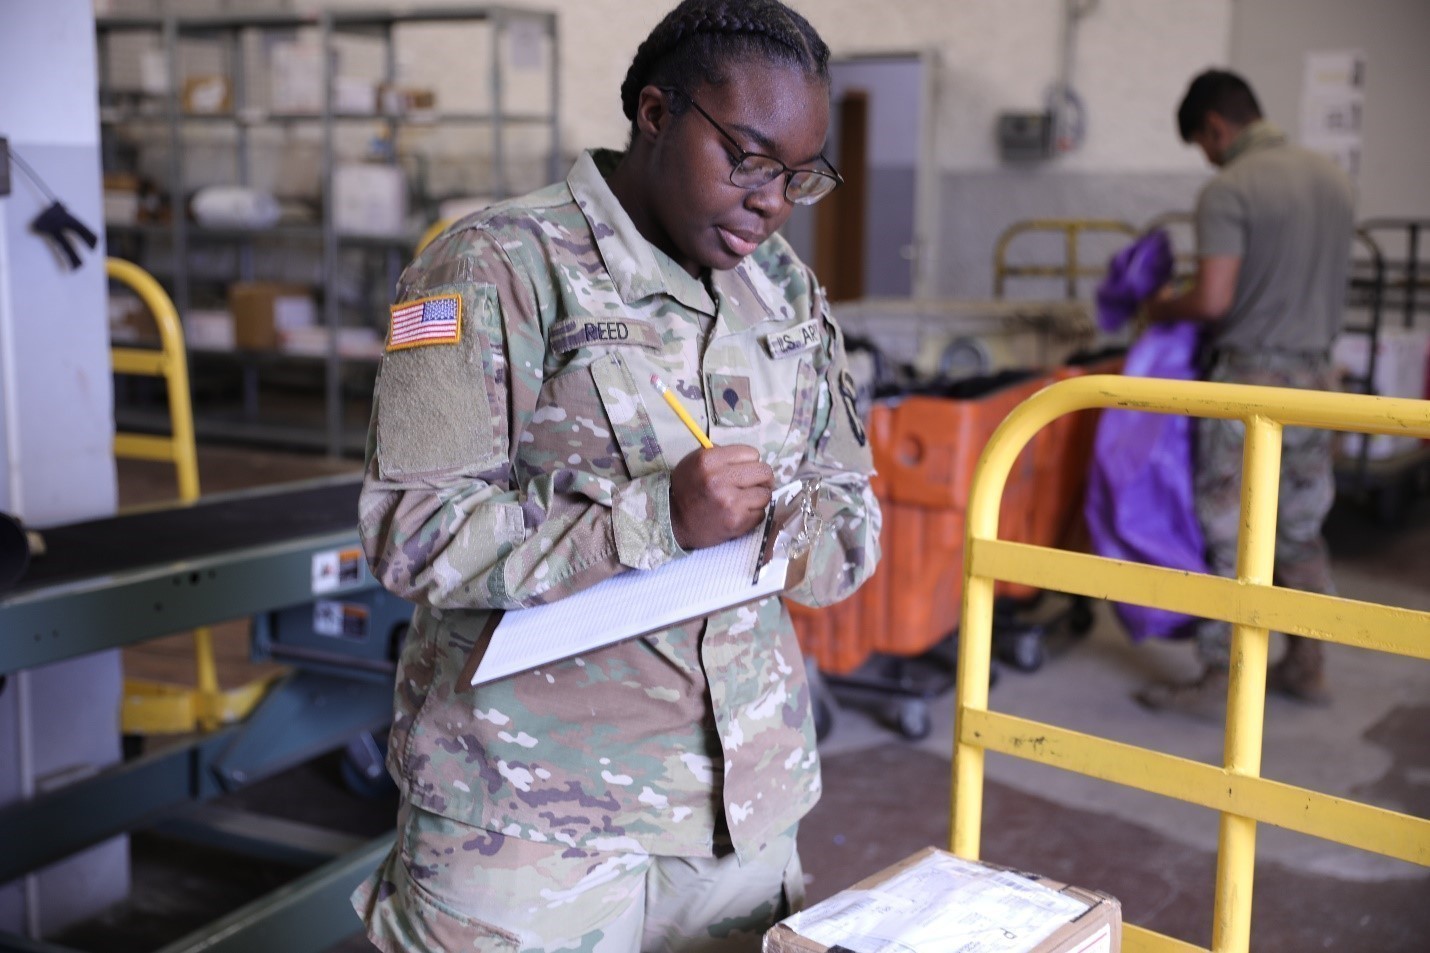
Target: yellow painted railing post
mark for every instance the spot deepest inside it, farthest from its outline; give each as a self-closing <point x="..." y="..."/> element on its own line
<point x="975" y="647"/>
<point x="172" y="365"/>
<point x="1246" y="692"/>
<point x="973" y="660"/>
<point x="180" y="447"/>
<point x="1251" y="602"/>
<point x="430" y="235"/>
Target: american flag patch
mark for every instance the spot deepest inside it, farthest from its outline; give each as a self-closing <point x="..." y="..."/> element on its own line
<point x="435" y="320"/>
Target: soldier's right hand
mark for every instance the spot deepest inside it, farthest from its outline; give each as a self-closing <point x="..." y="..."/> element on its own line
<point x="718" y="494"/>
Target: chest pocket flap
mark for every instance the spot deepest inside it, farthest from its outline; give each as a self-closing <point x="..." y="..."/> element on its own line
<point x="630" y="423"/>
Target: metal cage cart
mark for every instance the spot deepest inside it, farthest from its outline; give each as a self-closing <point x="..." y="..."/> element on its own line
<point x="940" y="377"/>
<point x="1386" y="358"/>
<point x="1072" y="269"/>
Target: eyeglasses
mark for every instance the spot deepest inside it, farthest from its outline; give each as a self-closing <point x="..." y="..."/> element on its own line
<point x="753" y="170"/>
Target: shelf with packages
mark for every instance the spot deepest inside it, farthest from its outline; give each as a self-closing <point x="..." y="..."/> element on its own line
<point x="297" y="232"/>
<point x="350" y="123"/>
<point x="258" y="118"/>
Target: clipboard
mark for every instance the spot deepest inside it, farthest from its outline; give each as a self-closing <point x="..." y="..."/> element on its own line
<point x="634" y="603"/>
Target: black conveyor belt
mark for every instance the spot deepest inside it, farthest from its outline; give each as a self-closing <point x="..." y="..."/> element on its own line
<point x="103" y="547"/>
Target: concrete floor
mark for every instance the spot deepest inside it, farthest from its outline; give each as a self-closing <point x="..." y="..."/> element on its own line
<point x="886" y="797"/>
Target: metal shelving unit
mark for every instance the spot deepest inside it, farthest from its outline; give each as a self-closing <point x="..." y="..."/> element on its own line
<point x="162" y="119"/>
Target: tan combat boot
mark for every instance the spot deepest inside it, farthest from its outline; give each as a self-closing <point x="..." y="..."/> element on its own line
<point x="1204" y="698"/>
<point x="1301" y="673"/>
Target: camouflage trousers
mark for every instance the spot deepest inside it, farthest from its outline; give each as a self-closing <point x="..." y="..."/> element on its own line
<point x="447" y="886"/>
<point x="1306" y="493"/>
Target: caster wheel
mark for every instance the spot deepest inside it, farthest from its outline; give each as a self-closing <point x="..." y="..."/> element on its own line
<point x="912" y="719"/>
<point x="1022" y="650"/>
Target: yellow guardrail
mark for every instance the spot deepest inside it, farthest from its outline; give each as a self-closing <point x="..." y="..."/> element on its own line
<point x="170" y="362"/>
<point x="430" y="235"/>
<point x="151" y="708"/>
<point x="1249" y="602"/>
<point x="1071" y="267"/>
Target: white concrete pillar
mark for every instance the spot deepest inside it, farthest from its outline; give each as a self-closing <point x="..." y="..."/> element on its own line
<point x="56" y="427"/>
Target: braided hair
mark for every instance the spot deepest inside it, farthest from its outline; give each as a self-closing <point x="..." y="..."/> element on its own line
<point x="699" y="38"/>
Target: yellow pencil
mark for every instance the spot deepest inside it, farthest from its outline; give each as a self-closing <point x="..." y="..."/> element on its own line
<point x="680" y="411"/>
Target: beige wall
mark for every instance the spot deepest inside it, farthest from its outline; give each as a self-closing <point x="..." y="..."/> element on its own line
<point x="1270" y="41"/>
<point x="1132" y="62"/>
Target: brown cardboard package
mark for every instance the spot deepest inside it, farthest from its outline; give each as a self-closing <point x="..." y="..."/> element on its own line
<point x="263" y="310"/>
<point x="935" y="902"/>
<point x="130" y="323"/>
<point x="207" y="95"/>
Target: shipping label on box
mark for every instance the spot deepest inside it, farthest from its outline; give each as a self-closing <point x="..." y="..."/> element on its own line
<point x="935" y="902"/>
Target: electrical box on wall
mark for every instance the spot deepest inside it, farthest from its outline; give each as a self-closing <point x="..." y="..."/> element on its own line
<point x="1024" y="136"/>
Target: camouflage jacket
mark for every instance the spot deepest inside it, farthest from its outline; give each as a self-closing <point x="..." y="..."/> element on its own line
<point x="518" y="453"/>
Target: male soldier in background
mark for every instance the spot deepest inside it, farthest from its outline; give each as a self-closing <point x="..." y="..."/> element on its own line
<point x="1273" y="244"/>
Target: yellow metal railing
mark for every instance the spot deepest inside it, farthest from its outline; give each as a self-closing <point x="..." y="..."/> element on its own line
<point x="1071" y="269"/>
<point x="1249" y="602"/>
<point x="169" y="362"/>
<point x="430" y="235"/>
<point x="151" y="707"/>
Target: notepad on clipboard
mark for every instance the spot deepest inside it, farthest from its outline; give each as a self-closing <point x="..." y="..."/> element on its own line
<point x="636" y="602"/>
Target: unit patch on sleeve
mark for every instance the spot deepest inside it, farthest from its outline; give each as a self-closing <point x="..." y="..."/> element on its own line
<point x="435" y="320"/>
<point x="795" y="340"/>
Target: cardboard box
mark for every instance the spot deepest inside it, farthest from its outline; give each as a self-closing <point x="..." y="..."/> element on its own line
<point x="130" y="322"/>
<point x="208" y="329"/>
<point x="369" y="198"/>
<point x="935" y="902"/>
<point x="207" y="95"/>
<point x="403" y="100"/>
<point x="354" y="96"/>
<point x="315" y="341"/>
<point x="295" y="80"/>
<point x="263" y="311"/>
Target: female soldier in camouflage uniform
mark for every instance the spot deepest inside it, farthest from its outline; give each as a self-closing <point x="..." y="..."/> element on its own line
<point x="646" y="795"/>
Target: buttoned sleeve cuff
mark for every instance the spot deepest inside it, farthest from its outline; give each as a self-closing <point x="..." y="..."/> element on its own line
<point x="640" y="521"/>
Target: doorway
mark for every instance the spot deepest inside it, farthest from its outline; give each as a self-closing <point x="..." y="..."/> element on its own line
<point x="875" y="237"/>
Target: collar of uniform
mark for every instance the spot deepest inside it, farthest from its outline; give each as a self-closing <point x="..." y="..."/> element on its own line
<point x="1261" y="134"/>
<point x="637" y="268"/>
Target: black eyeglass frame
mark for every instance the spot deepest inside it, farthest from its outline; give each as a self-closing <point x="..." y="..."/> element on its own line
<point x="832" y="175"/>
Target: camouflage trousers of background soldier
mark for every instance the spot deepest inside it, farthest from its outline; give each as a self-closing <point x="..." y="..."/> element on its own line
<point x="1306" y="493"/>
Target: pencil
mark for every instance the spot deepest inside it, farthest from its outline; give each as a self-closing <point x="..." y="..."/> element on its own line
<point x="680" y="411"/>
